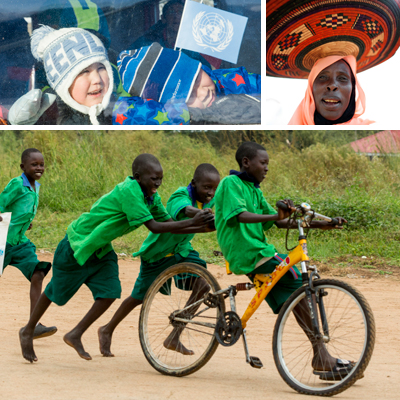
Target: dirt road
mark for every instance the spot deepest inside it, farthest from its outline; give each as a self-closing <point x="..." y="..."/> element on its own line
<point x="61" y="374"/>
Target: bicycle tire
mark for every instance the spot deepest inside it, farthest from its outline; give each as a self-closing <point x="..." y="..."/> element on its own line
<point x="351" y="337"/>
<point x="155" y="325"/>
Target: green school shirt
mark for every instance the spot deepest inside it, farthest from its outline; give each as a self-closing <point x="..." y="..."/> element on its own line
<point x="19" y="199"/>
<point x="115" y="214"/>
<point x="242" y="245"/>
<point x="158" y="245"/>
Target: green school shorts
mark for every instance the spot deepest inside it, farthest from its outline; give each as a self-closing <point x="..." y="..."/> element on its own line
<point x="289" y="282"/>
<point x="99" y="275"/>
<point x="149" y="272"/>
<point x="23" y="257"/>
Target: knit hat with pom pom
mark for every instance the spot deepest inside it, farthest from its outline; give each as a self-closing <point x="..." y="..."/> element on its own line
<point x="65" y="54"/>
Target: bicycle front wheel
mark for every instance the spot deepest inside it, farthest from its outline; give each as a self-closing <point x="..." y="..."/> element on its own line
<point x="176" y="327"/>
<point x="347" y="331"/>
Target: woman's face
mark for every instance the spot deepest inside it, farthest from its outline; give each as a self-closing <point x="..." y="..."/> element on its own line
<point x="332" y="90"/>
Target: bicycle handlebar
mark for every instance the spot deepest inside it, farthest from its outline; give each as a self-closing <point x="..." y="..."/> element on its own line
<point x="306" y="209"/>
<point x="283" y="206"/>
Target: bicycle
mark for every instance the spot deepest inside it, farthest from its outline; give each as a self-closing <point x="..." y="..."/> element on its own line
<point x="194" y="310"/>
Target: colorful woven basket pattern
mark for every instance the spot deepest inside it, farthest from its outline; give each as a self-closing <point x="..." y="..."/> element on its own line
<point x="301" y="31"/>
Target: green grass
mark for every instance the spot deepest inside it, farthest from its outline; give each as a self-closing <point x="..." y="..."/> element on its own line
<point x="83" y="166"/>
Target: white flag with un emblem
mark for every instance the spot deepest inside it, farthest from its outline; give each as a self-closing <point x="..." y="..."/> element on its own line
<point x="211" y="31"/>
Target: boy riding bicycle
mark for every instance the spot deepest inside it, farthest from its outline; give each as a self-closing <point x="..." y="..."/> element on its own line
<point x="242" y="214"/>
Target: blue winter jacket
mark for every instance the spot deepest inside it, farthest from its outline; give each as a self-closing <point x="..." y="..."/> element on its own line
<point x="138" y="111"/>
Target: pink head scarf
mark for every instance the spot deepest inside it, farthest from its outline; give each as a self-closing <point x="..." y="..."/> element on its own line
<point x="304" y="114"/>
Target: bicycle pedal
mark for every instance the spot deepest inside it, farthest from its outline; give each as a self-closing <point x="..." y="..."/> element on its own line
<point x="255" y="362"/>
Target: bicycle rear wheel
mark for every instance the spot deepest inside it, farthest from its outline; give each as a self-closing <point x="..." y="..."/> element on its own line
<point x="349" y="335"/>
<point x="177" y="293"/>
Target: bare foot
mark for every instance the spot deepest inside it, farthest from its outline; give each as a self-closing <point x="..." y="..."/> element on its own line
<point x="75" y="342"/>
<point x="27" y="346"/>
<point x="172" y="342"/>
<point x="323" y="363"/>
<point x="104" y="342"/>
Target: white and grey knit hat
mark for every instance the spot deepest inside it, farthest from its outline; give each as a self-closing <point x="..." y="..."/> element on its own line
<point x="65" y="54"/>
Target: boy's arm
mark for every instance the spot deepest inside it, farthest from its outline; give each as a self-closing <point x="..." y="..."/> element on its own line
<point x="8" y="195"/>
<point x="251" y="218"/>
<point x="180" y="207"/>
<point x="197" y="224"/>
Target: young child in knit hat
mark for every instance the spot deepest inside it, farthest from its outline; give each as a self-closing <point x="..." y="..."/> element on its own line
<point x="170" y="88"/>
<point x="77" y="69"/>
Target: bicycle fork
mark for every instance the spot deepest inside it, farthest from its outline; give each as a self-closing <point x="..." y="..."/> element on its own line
<point x="315" y="302"/>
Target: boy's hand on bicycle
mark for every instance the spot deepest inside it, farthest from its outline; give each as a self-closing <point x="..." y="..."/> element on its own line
<point x="285" y="213"/>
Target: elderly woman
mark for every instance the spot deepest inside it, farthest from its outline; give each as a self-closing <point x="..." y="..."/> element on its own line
<point x="330" y="97"/>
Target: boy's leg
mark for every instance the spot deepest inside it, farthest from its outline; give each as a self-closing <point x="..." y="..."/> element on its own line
<point x="172" y="342"/>
<point x="104" y="283"/>
<point x="288" y="284"/>
<point x="41" y="331"/>
<point x="199" y="288"/>
<point x="148" y="272"/>
<point x="26" y="333"/>
<point x="36" y="288"/>
<point x="73" y="338"/>
<point x="105" y="332"/>
<point x="62" y="286"/>
<point x="322" y="360"/>
<point x="23" y="257"/>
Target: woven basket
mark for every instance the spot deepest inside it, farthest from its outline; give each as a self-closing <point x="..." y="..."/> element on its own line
<point x="299" y="32"/>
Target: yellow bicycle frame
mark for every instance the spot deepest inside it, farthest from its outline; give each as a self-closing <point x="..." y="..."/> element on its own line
<point x="264" y="283"/>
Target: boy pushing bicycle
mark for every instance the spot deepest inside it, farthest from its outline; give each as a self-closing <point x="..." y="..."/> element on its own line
<point x="242" y="214"/>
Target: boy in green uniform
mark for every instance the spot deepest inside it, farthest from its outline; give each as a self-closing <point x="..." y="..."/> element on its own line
<point x="160" y="251"/>
<point x="86" y="256"/>
<point x="242" y="214"/>
<point x="21" y="198"/>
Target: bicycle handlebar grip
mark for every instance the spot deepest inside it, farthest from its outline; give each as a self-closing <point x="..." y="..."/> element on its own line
<point x="335" y="221"/>
<point x="283" y="206"/>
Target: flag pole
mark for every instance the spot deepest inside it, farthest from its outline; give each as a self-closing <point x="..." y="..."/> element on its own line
<point x="32" y="75"/>
<point x="180" y="23"/>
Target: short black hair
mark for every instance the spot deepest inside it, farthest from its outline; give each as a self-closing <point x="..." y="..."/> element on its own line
<point x="142" y="161"/>
<point x="203" y="170"/>
<point x="27" y="153"/>
<point x="168" y="5"/>
<point x="248" y="150"/>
